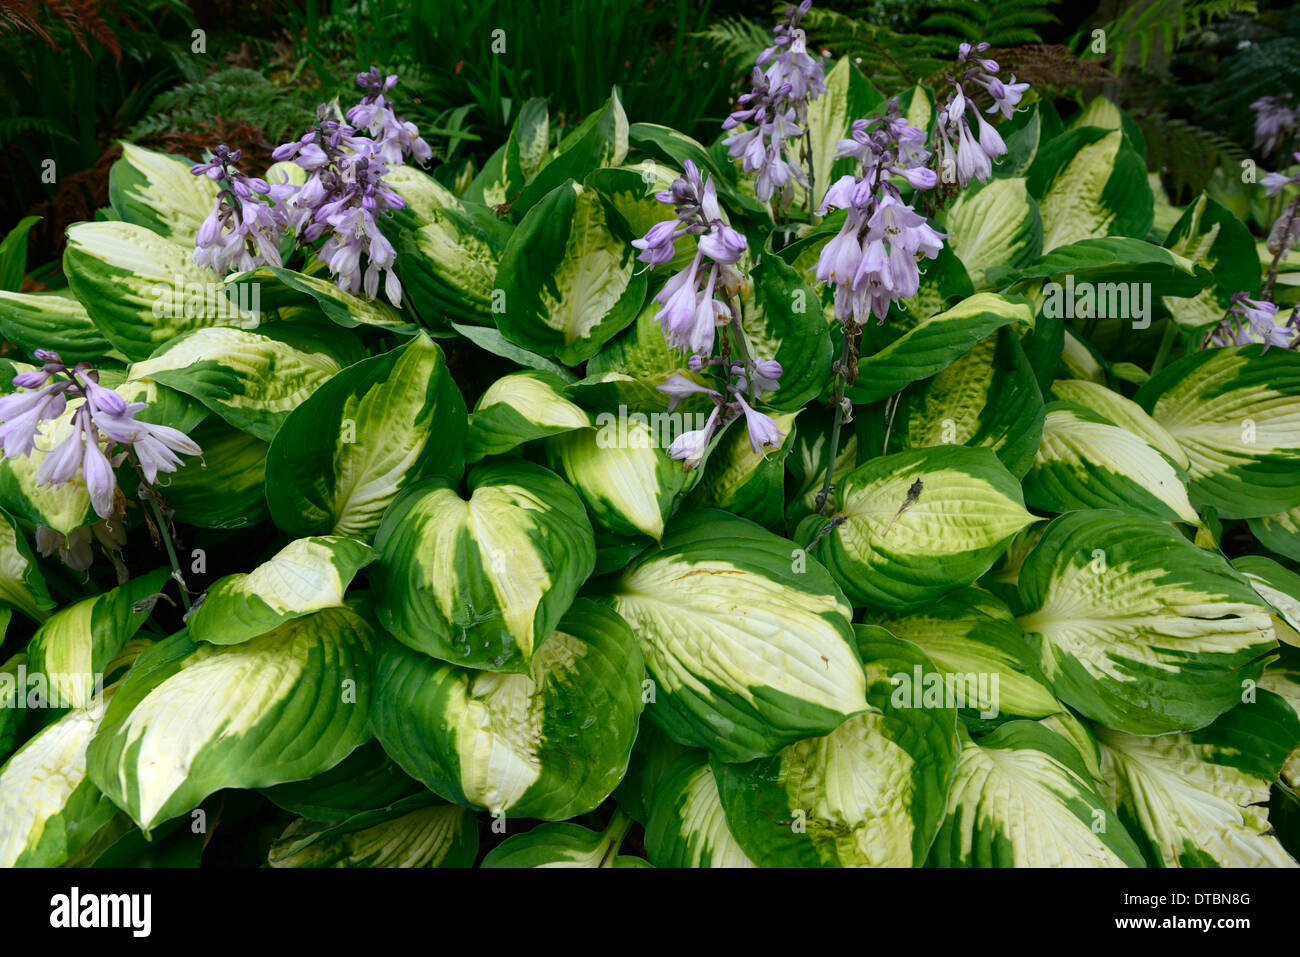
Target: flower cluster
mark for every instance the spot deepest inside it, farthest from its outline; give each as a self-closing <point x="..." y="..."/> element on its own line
<point x="776" y="111"/>
<point x="343" y="195"/>
<point x="104" y="430"/>
<point x="763" y="432"/>
<point x="1286" y="230"/>
<point x="691" y="307"/>
<point x="1275" y="121"/>
<point x="873" y="259"/>
<point x="972" y="155"/>
<point x="243" y="230"/>
<point x="395" y="140"/>
<point x="1252" y="321"/>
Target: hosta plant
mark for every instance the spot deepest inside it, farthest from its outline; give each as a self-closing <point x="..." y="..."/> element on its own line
<point x="898" y="480"/>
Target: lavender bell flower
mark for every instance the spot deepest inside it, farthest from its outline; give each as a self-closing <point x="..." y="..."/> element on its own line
<point x="776" y="111"/>
<point x="1254" y="321"/>
<point x="873" y="259"/>
<point x="395" y="140"/>
<point x="1275" y="121"/>
<point x="690" y="310"/>
<point x="102" y="420"/>
<point x="243" y="230"/>
<point x="972" y="156"/>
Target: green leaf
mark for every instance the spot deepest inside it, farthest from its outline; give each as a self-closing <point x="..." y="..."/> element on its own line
<point x="54" y="321"/>
<point x="430" y="835"/>
<point x="286" y="288"/>
<point x="366" y="780"/>
<point x="1023" y="797"/>
<point x="141" y="290"/>
<point x="747" y="641"/>
<point x="491" y="340"/>
<point x="253" y="380"/>
<point x="482" y="582"/>
<point x="600" y="140"/>
<point x="687" y="826"/>
<point x="1090" y="182"/>
<point x="22" y="586"/>
<point x="305" y="576"/>
<point x="563" y="845"/>
<point x="972" y="636"/>
<point x="1086" y="462"/>
<point x="783" y="320"/>
<point x="1138" y="628"/>
<point x="933" y="343"/>
<point x="552" y="742"/>
<point x="224" y="489"/>
<point x="1279" y="533"/>
<point x="569" y="282"/>
<point x="988" y="397"/>
<point x="1103" y="270"/>
<point x="158" y="191"/>
<point x="192" y="718"/>
<point x="1236" y="413"/>
<point x="519" y="408"/>
<point x="869" y="794"/>
<point x="849" y="96"/>
<point x="343" y="455"/>
<point x="1201" y="799"/>
<point x="996" y="224"/>
<point x="1214" y="239"/>
<point x="897" y="550"/>
<point x="1125" y="413"/>
<point x="13" y="254"/>
<point x="75" y="645"/>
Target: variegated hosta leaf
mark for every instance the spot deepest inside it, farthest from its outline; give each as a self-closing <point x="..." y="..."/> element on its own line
<point x="366" y="780"/>
<point x="783" y="320"/>
<point x="641" y="351"/>
<point x="448" y="267"/>
<point x="413" y="833"/>
<point x="424" y="195"/>
<point x="550" y="743"/>
<point x="226" y="488"/>
<point x="1125" y="413"/>
<point x="988" y="397"/>
<point x="22" y="586"/>
<point x="482" y="582"/>
<point x="1200" y="799"/>
<point x="1236" y="413"/>
<point x="253" y="380"/>
<point x="158" y="191"/>
<point x="193" y="718"/>
<point x="1278" y="586"/>
<point x="921" y="523"/>
<point x="518" y="408"/>
<point x="869" y="794"/>
<point x="1022" y="797"/>
<point x="599" y="140"/>
<point x="1136" y="627"/>
<point x="1086" y="462"/>
<point x="744" y="482"/>
<point x="341" y="457"/>
<point x="569" y="281"/>
<point x="934" y="342"/>
<point x="1282" y="677"/>
<point x="75" y="645"/>
<point x="972" y="636"/>
<point x="54" y="321"/>
<point x="1090" y="182"/>
<point x="996" y="224"/>
<point x="628" y="483"/>
<point x="1209" y="235"/>
<point x="564" y="845"/>
<point x="747" y="639"/>
<point x="305" y="576"/>
<point x="48" y="806"/>
<point x="273" y="287"/>
<point x="13" y="692"/>
<point x="1279" y="532"/>
<point x="141" y="289"/>
<point x="687" y="826"/>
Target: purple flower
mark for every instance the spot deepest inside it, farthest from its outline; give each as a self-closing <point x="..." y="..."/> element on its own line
<point x="102" y="420"/>
<point x="763" y="433"/>
<point x="1275" y="121"/>
<point x="242" y="231"/>
<point x="962" y="152"/>
<point x="677" y="387"/>
<point x="689" y="447"/>
<point x="395" y="140"/>
<point x="776" y="111"/>
<point x="1254" y="321"/>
